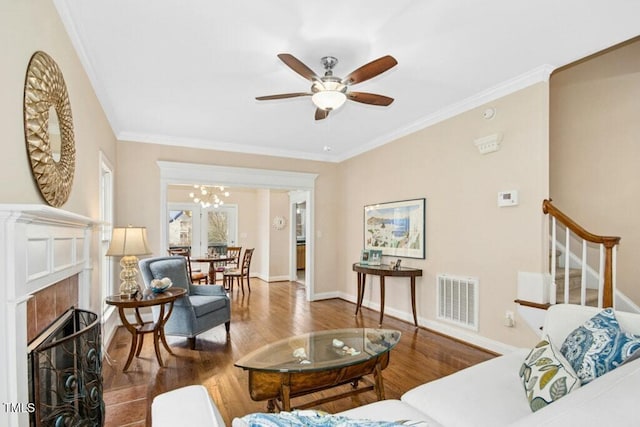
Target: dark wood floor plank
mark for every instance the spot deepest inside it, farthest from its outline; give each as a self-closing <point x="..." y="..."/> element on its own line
<point x="269" y="313"/>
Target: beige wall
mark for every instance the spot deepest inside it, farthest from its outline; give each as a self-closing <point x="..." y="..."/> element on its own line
<point x="279" y="240"/>
<point x="595" y="147"/>
<point x="467" y="234"/>
<point x="26" y="27"/>
<point x="138" y="192"/>
<point x="29" y="26"/>
<point x="263" y="233"/>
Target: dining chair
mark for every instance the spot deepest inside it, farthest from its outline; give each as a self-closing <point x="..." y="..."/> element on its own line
<point x="232" y="251"/>
<point x="197" y="276"/>
<point x="239" y="273"/>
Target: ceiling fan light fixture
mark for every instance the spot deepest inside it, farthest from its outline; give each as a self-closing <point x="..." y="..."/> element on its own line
<point x="330" y="92"/>
<point x="329" y="99"/>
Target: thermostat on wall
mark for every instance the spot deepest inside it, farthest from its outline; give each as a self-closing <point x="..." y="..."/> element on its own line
<point x="508" y="198"/>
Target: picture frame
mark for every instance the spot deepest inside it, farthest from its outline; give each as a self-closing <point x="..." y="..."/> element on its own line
<point x="396" y="228"/>
<point x="375" y="257"/>
<point x="364" y="257"/>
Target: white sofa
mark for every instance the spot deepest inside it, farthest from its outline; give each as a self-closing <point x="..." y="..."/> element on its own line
<point x="491" y="393"/>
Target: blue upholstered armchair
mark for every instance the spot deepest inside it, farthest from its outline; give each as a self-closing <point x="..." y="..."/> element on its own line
<point x="204" y="307"/>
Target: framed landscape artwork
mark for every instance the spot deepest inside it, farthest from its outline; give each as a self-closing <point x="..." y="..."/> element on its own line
<point x="396" y="228"/>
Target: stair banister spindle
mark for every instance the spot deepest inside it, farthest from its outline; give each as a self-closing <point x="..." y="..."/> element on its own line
<point x="552" y="291"/>
<point x="583" y="274"/>
<point x="614" y="281"/>
<point x="567" y="262"/>
<point x="601" y="275"/>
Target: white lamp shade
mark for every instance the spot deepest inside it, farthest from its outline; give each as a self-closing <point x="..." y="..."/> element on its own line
<point x="329" y="99"/>
<point x="126" y="241"/>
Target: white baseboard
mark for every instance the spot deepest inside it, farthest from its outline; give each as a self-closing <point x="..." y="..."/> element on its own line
<point x="440" y="327"/>
<point x="110" y="323"/>
<point x="266" y="278"/>
<point x="327" y="295"/>
<point x="469" y="337"/>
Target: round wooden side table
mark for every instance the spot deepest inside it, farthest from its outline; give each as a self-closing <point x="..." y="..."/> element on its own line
<point x="139" y="328"/>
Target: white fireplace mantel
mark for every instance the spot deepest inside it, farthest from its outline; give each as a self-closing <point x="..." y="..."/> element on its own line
<point x="39" y="246"/>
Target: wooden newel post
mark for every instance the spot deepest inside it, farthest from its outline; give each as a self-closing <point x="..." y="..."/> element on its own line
<point x="607" y="294"/>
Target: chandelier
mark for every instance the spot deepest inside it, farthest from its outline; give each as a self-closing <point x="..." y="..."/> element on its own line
<point x="209" y="196"/>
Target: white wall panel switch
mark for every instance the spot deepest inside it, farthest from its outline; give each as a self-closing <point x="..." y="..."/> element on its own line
<point x="508" y="198"/>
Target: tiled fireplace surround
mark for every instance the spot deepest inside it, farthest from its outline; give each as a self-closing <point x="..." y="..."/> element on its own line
<point x="46" y="268"/>
<point x="49" y="304"/>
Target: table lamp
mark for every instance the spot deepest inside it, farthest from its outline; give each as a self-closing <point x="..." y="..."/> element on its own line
<point x="128" y="242"/>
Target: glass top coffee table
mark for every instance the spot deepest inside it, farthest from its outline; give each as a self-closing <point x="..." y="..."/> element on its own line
<point x="317" y="361"/>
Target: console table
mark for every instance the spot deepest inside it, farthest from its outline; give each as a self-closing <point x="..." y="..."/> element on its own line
<point x="383" y="271"/>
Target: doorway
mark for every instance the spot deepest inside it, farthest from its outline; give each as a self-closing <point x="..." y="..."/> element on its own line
<point x="298" y="237"/>
<point x="301" y="183"/>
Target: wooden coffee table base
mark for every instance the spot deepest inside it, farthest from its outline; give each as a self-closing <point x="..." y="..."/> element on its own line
<point x="280" y="387"/>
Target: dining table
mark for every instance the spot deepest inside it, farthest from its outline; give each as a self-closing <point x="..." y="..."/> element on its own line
<point x="214" y="261"/>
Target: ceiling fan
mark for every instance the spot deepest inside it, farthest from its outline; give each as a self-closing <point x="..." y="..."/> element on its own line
<point x="329" y="92"/>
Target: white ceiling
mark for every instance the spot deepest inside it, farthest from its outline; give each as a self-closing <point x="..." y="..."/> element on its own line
<point x="186" y="72"/>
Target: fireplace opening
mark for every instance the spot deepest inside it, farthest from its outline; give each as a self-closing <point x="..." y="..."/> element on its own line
<point x="65" y="372"/>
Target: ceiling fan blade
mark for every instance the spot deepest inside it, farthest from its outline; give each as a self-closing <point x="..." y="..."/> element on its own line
<point x="370" y="70"/>
<point x="282" y="96"/>
<point x="321" y="114"/>
<point x="370" y="98"/>
<point x="296" y="65"/>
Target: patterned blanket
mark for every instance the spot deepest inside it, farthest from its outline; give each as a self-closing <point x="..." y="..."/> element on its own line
<point x="313" y="419"/>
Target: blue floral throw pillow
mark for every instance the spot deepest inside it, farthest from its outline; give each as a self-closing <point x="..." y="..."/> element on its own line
<point x="599" y="346"/>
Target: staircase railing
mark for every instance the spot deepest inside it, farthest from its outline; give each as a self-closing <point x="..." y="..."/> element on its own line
<point x="607" y="258"/>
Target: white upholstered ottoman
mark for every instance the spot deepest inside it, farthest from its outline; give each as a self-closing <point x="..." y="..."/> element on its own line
<point x="186" y="406"/>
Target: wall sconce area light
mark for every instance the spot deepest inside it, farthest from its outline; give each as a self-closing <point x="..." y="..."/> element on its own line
<point x="129" y="242"/>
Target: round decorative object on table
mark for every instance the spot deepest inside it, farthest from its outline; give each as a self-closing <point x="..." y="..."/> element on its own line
<point x="48" y="128"/>
<point x="279" y="222"/>
<point x="158" y="286"/>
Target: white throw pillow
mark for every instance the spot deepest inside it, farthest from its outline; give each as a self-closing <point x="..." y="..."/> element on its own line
<point x="547" y="375"/>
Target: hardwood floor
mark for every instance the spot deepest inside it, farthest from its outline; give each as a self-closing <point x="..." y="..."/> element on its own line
<point x="270" y="312"/>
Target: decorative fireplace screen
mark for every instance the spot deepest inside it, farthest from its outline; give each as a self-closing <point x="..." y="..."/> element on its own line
<point x="65" y="372"/>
